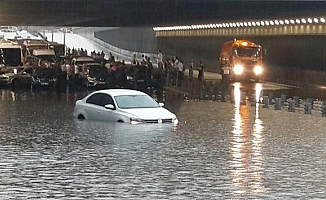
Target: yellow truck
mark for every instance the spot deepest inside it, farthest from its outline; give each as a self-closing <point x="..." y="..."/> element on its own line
<point x="241" y="60"/>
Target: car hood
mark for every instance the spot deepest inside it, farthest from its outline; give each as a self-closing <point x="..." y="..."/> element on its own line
<point x="149" y="113"/>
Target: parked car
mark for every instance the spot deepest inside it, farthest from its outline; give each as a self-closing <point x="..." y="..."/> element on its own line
<point x="44" y="77"/>
<point x="18" y="76"/>
<point x="123" y="105"/>
<point x="94" y="75"/>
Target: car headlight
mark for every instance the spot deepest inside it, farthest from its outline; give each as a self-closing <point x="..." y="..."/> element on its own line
<point x="130" y="78"/>
<point x="136" y="121"/>
<point x="238" y="69"/>
<point x="91" y="78"/>
<point x="35" y="79"/>
<point x="5" y="76"/>
<point x="175" y="121"/>
<point x="258" y="70"/>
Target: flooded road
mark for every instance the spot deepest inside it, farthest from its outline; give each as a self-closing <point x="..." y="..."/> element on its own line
<point x="220" y="150"/>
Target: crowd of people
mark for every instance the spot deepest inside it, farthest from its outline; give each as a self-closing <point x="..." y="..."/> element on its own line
<point x="172" y="69"/>
<point x="139" y="74"/>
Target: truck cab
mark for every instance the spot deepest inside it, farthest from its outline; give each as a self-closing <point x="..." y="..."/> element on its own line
<point x="241" y="60"/>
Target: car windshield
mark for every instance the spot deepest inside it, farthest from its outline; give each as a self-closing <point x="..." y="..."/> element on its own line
<point x="136" y="101"/>
<point x="98" y="71"/>
<point x="49" y="58"/>
<point x="248" y="52"/>
<point x="44" y="73"/>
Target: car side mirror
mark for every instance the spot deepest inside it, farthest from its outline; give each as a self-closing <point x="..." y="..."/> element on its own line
<point x="109" y="106"/>
<point x="161" y="104"/>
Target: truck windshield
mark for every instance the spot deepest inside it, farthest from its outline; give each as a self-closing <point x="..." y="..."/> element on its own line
<point x="10" y="56"/>
<point x="248" y="51"/>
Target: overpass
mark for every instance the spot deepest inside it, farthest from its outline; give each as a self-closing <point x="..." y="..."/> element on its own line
<point x="147" y="13"/>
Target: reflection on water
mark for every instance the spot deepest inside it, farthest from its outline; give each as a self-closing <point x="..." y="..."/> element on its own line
<point x="219" y="150"/>
<point x="246" y="163"/>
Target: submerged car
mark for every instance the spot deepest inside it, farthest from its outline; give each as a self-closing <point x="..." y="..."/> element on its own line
<point x="123" y="105"/>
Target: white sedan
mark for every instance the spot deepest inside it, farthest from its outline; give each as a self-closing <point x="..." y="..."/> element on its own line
<point x="123" y="105"/>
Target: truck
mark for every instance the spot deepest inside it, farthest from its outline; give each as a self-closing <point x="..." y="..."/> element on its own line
<point x="241" y="60"/>
<point x="44" y="57"/>
<point x="11" y="54"/>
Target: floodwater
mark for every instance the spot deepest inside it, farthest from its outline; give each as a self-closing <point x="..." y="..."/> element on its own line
<point x="220" y="150"/>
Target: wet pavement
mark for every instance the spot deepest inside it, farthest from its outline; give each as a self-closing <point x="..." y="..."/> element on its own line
<point x="220" y="150"/>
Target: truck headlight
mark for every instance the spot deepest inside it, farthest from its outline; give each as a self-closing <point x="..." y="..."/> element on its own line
<point x="238" y="69"/>
<point x="258" y="70"/>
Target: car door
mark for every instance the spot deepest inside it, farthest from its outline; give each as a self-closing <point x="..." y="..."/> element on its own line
<point x="93" y="107"/>
<point x="96" y="107"/>
<point x="108" y="114"/>
<point x="25" y="76"/>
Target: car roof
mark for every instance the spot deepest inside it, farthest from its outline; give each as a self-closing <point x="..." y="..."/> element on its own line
<point x="119" y="92"/>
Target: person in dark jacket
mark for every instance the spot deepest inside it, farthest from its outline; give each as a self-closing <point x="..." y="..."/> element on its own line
<point x="201" y="71"/>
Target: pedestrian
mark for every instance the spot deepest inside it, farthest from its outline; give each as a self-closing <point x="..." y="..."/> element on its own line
<point x="76" y="75"/>
<point x="149" y="70"/>
<point x="134" y="60"/>
<point x="201" y="71"/>
<point x="113" y="76"/>
<point x="191" y="69"/>
<point x="64" y="72"/>
<point x="70" y="74"/>
<point x="180" y="72"/>
<point x="111" y="59"/>
<point x="160" y="63"/>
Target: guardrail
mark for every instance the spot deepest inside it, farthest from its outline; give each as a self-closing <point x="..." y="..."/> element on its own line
<point x="296" y="104"/>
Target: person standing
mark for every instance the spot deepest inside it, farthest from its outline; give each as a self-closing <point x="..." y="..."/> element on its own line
<point x="180" y="68"/>
<point x="70" y="74"/>
<point x="64" y="73"/>
<point x="201" y="71"/>
<point x="134" y="60"/>
<point x="160" y="63"/>
<point x="191" y="69"/>
<point x="76" y="75"/>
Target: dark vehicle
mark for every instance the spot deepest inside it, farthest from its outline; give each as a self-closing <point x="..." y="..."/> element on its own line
<point x="17" y="77"/>
<point x="44" y="57"/>
<point x="94" y="75"/>
<point x="44" y="77"/>
<point x="137" y="77"/>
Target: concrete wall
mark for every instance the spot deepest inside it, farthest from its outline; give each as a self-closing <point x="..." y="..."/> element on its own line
<point x="287" y="57"/>
<point x="132" y="39"/>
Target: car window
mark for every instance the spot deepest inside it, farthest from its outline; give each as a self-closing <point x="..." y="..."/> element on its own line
<point x="100" y="99"/>
<point x="107" y="99"/>
<point x="94" y="99"/>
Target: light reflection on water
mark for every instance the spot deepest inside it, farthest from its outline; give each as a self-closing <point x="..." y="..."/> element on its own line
<point x="220" y="150"/>
<point x="246" y="163"/>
